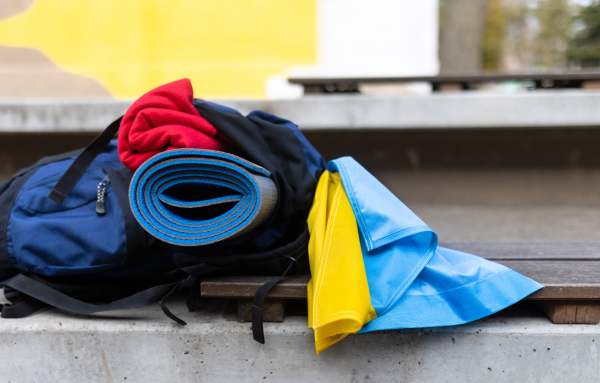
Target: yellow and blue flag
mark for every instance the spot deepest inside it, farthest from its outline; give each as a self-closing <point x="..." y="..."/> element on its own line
<point x="376" y="266"/>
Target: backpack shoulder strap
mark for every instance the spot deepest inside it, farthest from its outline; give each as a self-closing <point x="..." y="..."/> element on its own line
<point x="42" y="294"/>
<point x="68" y="181"/>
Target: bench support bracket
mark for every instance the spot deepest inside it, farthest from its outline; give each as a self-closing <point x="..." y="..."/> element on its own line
<point x="572" y="312"/>
<point x="273" y="310"/>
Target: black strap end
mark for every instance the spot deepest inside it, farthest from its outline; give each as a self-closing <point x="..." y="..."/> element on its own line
<point x="56" y="196"/>
<point x="22" y="309"/>
<point x="257" y="324"/>
<point x="257" y="308"/>
<point x="172" y="316"/>
<point x="189" y="281"/>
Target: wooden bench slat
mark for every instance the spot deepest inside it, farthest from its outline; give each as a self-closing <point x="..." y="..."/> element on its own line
<point x="586" y="80"/>
<point x="452" y="79"/>
<point x="578" y="280"/>
<point x="570" y="272"/>
<point x="292" y="287"/>
<point x="538" y="251"/>
<point x="565" y="273"/>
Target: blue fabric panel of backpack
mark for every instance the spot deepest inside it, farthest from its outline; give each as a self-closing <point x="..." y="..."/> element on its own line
<point x="76" y="219"/>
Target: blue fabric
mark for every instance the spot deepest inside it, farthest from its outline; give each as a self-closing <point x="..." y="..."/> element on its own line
<point x="454" y="288"/>
<point x="413" y="282"/>
<point x="48" y="238"/>
<point x="192" y="197"/>
<point x="314" y="160"/>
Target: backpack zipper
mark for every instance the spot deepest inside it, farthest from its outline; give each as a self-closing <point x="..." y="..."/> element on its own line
<point x="100" y="208"/>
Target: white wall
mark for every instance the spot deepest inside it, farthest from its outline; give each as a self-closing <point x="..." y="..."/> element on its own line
<point x="378" y="37"/>
<point x="370" y="38"/>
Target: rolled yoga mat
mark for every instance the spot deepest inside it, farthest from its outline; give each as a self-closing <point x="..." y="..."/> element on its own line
<point x="194" y="197"/>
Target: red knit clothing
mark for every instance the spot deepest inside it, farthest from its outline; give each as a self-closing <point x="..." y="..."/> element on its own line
<point x="164" y="119"/>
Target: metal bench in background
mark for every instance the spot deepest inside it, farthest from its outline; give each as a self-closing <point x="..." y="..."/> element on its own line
<point x="451" y="82"/>
<point x="569" y="271"/>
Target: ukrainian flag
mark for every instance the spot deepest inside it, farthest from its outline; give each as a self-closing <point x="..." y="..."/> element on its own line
<point x="376" y="266"/>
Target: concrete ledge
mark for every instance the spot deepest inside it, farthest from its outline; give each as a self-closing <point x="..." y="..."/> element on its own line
<point x="144" y="346"/>
<point x="437" y="111"/>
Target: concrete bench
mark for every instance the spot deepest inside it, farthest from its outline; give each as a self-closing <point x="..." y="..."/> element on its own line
<point x="569" y="271"/>
<point x="141" y="345"/>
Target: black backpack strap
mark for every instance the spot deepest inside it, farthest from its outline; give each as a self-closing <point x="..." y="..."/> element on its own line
<point x="46" y="295"/>
<point x="22" y="309"/>
<point x="259" y="298"/>
<point x="257" y="308"/>
<point x="292" y="252"/>
<point x="68" y="181"/>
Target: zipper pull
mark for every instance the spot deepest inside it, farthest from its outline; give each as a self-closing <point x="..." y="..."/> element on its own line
<point x="100" y="208"/>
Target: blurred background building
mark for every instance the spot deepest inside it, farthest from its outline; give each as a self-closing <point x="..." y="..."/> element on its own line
<point x="230" y="48"/>
<point x="248" y="48"/>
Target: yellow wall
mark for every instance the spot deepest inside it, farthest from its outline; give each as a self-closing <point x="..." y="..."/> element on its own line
<point x="228" y="48"/>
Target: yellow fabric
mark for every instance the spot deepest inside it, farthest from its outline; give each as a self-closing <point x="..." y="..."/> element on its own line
<point x="338" y="293"/>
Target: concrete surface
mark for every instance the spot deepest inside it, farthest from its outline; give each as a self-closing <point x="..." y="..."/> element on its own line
<point x="458" y="110"/>
<point x="144" y="346"/>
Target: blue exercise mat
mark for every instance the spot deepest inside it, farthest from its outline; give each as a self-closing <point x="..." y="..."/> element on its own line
<point x="194" y="197"/>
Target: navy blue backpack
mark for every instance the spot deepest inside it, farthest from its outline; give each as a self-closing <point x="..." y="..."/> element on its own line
<point x="69" y="239"/>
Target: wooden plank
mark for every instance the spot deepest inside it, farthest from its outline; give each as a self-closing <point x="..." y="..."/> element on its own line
<point x="565" y="273"/>
<point x="565" y="291"/>
<point x="273" y="310"/>
<point x="587" y="80"/>
<point x="588" y="312"/>
<point x="292" y="287"/>
<point x="572" y="312"/>
<point x="591" y="84"/>
<point x="539" y="251"/>
<point x="569" y="271"/>
<point x="453" y="79"/>
<point x="449" y="87"/>
<point x="562" y="280"/>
